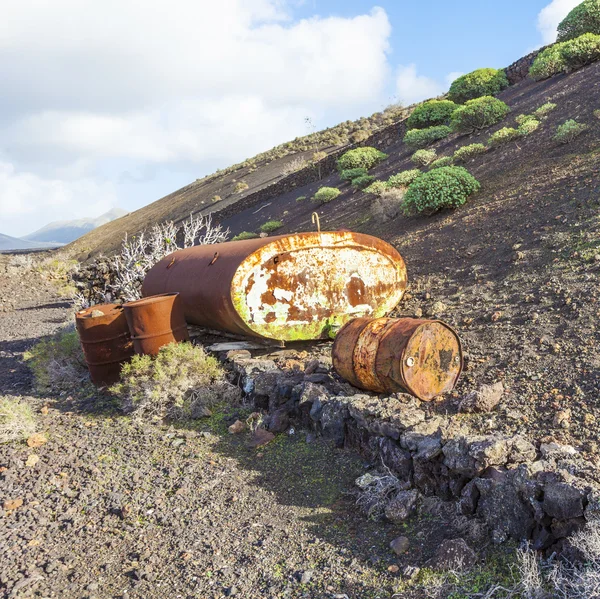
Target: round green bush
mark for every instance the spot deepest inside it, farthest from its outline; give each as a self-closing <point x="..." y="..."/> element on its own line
<point x="479" y="114"/>
<point x="403" y="179"/>
<point x="547" y="63"/>
<point x="326" y="194"/>
<point x="584" y="18"/>
<point x="466" y="152"/>
<point x="420" y="138"/>
<point x="423" y="157"/>
<point x="352" y="173"/>
<point x="271" y="225"/>
<point x="482" y="82"/>
<point x="443" y="161"/>
<point x="376" y="188"/>
<point x="431" y="114"/>
<point x="529" y="126"/>
<point x="362" y="182"/>
<point x="245" y="235"/>
<point x="544" y="110"/>
<point x="445" y="187"/>
<point x="568" y="131"/>
<point x="581" y="51"/>
<point x="360" y="158"/>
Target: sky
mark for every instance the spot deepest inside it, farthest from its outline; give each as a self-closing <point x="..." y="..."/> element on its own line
<point x="120" y="102"/>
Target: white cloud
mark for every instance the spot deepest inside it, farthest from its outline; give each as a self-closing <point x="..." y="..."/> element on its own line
<point x="412" y="87"/>
<point x="551" y="15"/>
<point x="453" y="76"/>
<point x="185" y="81"/>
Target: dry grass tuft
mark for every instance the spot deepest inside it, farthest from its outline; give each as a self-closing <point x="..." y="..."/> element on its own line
<point x="388" y="205"/>
<point x="376" y="491"/>
<point x="181" y="382"/>
<point x="17" y="421"/>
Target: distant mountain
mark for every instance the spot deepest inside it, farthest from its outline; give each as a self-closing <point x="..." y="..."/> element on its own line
<point x="65" y="231"/>
<point x="13" y="243"/>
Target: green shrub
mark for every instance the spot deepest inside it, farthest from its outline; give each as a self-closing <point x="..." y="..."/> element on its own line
<point x="463" y="154"/>
<point x="245" y="235"/>
<point x="503" y="135"/>
<point x="17" y="421"/>
<point x="58" y="364"/>
<point x="584" y="18"/>
<point x="445" y="187"/>
<point x="271" y="225"/>
<point x="431" y="114"/>
<point x="362" y="182"/>
<point x="376" y="188"/>
<point x="566" y="56"/>
<point x="443" y="161"/>
<point x="547" y="63"/>
<point x="403" y="179"/>
<point x="360" y="158"/>
<point x="420" y="138"/>
<point x="482" y="82"/>
<point x="597" y="113"/>
<point x="568" y="131"/>
<point x="423" y="157"/>
<point x="181" y="382"/>
<point x="529" y="126"/>
<point x="353" y="173"/>
<point x="479" y="114"/>
<point x="581" y="51"/>
<point x="544" y="110"/>
<point x="300" y="198"/>
<point x="522" y="118"/>
<point x="326" y="194"/>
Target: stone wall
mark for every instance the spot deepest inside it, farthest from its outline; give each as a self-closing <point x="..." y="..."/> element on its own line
<point x="520" y="490"/>
<point x="519" y="69"/>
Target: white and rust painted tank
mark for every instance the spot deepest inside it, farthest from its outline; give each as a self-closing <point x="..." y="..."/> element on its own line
<point x="290" y="287"/>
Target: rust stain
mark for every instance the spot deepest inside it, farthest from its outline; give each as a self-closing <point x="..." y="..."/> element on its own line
<point x="421" y="357"/>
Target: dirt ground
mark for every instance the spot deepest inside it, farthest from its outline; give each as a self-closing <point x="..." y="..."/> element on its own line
<point x="116" y="509"/>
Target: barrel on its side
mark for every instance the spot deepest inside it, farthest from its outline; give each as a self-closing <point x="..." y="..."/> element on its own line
<point x="105" y="341"/>
<point x="156" y="321"/>
<point x="290" y="287"/>
<point x="387" y="355"/>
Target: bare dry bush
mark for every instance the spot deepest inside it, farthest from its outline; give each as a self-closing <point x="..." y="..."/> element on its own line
<point x="120" y="278"/>
<point x="376" y="491"/>
<point x="16" y="420"/>
<point x="388" y="205"/>
<point x="294" y="165"/>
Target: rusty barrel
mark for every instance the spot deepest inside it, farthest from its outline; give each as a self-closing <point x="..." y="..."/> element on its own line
<point x="105" y="341"/>
<point x="289" y="287"/>
<point x="156" y="321"/>
<point x="386" y="355"/>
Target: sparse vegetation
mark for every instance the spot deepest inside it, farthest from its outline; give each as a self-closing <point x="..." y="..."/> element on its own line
<point x="352" y="173"/>
<point x="388" y="205"/>
<point x="431" y="114"/>
<point x="445" y="187"/>
<point x="215" y="199"/>
<point x="482" y="82"/>
<point x="404" y="178"/>
<point x="443" y="161"/>
<point x="295" y="164"/>
<point x="240" y="186"/>
<point x="270" y="226"/>
<point x="360" y="135"/>
<point x="463" y="154"/>
<point x="181" y="382"/>
<point x="544" y="110"/>
<point x="326" y="194"/>
<point x="17" y="421"/>
<point x="245" y="235"/>
<point x="421" y="138"/>
<point x="568" y="131"/>
<point x="366" y="158"/>
<point x="300" y="198"/>
<point x="584" y="18"/>
<point x="58" y="364"/>
<point x="362" y="182"/>
<point x="479" y="114"/>
<point x="597" y="113"/>
<point x="503" y="136"/>
<point x="423" y="157"/>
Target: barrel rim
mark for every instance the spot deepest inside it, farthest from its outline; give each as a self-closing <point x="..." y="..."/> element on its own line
<point x="151" y="299"/>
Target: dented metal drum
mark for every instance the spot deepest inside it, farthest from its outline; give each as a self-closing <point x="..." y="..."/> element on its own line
<point x="156" y="321"/>
<point x="386" y="355"/>
<point x="290" y="287"/>
<point x="105" y="341"/>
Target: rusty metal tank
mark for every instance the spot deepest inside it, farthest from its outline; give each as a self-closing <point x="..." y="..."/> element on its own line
<point x="105" y="341"/>
<point x="289" y="287"/>
<point x="156" y="321"/>
<point x="387" y="355"/>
